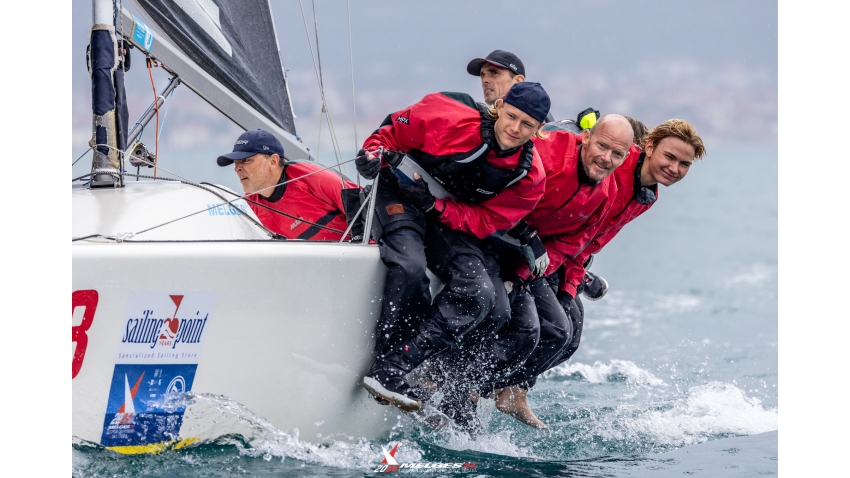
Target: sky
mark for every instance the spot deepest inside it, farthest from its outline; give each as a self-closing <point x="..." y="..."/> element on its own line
<point x="712" y="63"/>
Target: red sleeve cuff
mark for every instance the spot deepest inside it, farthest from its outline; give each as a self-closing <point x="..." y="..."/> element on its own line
<point x="440" y="206"/>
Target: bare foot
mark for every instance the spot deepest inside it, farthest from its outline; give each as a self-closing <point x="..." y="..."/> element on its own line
<point x="512" y="400"/>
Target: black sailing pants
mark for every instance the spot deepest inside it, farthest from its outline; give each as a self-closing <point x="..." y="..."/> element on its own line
<point x="560" y="334"/>
<point x="400" y="228"/>
<point x="465" y="303"/>
<point x="509" y="338"/>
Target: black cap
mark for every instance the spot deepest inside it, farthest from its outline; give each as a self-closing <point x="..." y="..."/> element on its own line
<point x="251" y="143"/>
<point x="530" y="98"/>
<point x="500" y="58"/>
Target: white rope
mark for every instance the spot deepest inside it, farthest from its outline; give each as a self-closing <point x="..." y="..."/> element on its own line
<point x="123" y="236"/>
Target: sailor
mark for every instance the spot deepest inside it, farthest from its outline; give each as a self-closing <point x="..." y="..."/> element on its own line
<point x="578" y="169"/>
<point x="668" y="152"/>
<point x="298" y="200"/>
<point x="499" y="71"/>
<point x="484" y="157"/>
<point x="592" y="286"/>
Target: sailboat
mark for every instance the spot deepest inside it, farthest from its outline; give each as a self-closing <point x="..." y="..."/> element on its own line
<point x="283" y="327"/>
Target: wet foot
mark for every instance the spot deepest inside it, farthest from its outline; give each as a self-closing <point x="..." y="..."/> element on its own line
<point x="513" y="401"/>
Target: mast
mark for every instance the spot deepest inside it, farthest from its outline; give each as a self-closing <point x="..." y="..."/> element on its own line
<point x="109" y="107"/>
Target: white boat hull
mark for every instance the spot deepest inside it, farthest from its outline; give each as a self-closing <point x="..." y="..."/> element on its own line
<point x="289" y="331"/>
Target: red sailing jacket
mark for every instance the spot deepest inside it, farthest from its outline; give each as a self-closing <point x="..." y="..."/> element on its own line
<point x="440" y="125"/>
<point x="570" y="211"/>
<point x="316" y="198"/>
<point x="624" y="208"/>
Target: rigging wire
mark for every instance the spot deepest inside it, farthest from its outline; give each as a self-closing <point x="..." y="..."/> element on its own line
<point x="317" y="69"/>
<point x="230" y="201"/>
<point x="156" y="105"/>
<point x="350" y="226"/>
<point x="165" y="115"/>
<point x="273" y="234"/>
<point x="81" y="156"/>
<point x="187" y="181"/>
<point x="159" y="127"/>
<point x="319" y="147"/>
<point x="331" y="129"/>
<point x="128" y="156"/>
<point x="353" y="100"/>
<point x="273" y="209"/>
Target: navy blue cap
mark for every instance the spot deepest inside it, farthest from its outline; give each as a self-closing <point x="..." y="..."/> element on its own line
<point x="501" y="58"/>
<point x="530" y="98"/>
<point x="251" y="143"/>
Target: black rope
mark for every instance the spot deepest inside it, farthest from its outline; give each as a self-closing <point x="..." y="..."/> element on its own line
<point x="86" y="237"/>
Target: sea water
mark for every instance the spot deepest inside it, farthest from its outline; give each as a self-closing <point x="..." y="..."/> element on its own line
<point x="676" y="374"/>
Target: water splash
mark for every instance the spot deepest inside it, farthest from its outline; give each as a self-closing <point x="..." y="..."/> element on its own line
<point x="703" y="412"/>
<point x="599" y="372"/>
<point x="216" y="419"/>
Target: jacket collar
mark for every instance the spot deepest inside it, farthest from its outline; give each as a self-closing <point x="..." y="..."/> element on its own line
<point x="279" y="189"/>
<point x="645" y="195"/>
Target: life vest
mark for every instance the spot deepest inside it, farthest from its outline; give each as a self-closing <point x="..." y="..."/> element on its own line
<point x="468" y="175"/>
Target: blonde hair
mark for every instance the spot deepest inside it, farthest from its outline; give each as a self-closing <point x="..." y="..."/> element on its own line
<point x="494" y="113"/>
<point x="677" y="128"/>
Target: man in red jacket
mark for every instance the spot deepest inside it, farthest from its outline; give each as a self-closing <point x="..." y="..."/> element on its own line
<point x="485" y="159"/>
<point x="297" y="200"/>
<point x="670" y="150"/>
<point x="499" y="71"/>
<point x="577" y="187"/>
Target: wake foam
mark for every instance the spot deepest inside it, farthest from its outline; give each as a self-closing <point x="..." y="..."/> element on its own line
<point x="599" y="372"/>
<point x="218" y="420"/>
<point x="711" y="410"/>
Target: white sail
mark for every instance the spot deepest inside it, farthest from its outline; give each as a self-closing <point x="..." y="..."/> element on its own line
<point x="128" y="397"/>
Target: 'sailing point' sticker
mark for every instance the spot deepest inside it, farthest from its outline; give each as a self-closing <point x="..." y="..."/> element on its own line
<point x="158" y="353"/>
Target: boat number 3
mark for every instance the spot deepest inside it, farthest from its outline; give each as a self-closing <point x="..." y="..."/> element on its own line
<point x="88" y="300"/>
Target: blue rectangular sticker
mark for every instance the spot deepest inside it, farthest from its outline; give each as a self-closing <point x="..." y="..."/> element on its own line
<point x="145" y="403"/>
<point x="142" y="35"/>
